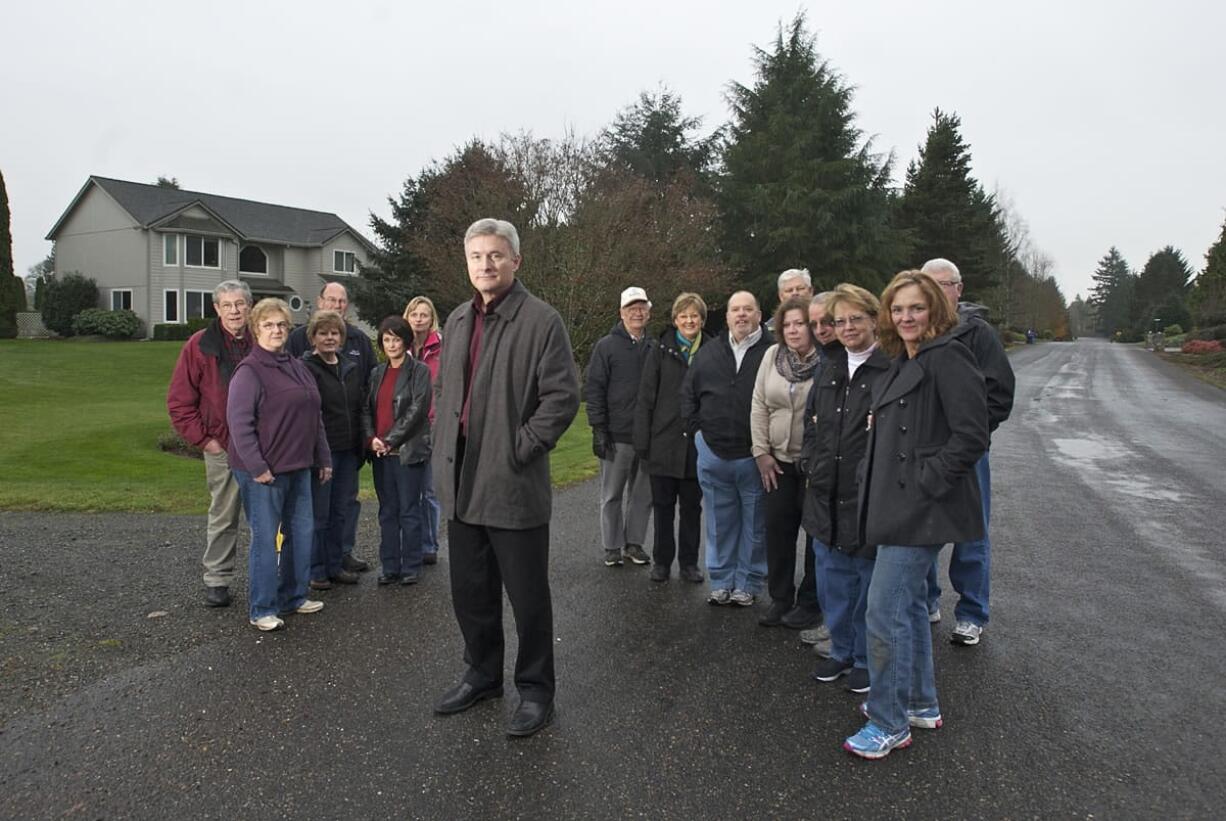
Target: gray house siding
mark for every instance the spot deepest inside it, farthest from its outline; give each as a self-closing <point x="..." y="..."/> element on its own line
<point x="101" y="241"/>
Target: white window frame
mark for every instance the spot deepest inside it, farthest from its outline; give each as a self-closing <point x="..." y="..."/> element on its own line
<point x="267" y="262"/>
<point x="335" y="270"/>
<point x="206" y="298"/>
<point x="203" y="239"/>
<point x="170" y="241"/>
<point x="115" y="292"/>
<point x="178" y="320"/>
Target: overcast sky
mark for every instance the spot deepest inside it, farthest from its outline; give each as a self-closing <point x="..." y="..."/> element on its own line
<point x="1101" y="120"/>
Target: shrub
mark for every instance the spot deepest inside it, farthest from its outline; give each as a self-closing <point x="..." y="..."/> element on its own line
<point x="1203" y="346"/>
<point x="1048" y="334"/>
<point x="64" y="298"/>
<point x="1212" y="332"/>
<point x="171" y="331"/>
<point x="1173" y="330"/>
<point x="172" y="442"/>
<point x="12" y="300"/>
<point x="111" y="324"/>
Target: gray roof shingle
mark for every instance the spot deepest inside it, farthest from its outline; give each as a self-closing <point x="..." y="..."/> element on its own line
<point x="253" y="220"/>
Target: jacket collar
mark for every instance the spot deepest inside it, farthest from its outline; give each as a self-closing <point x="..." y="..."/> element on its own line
<point x="910" y="372"/>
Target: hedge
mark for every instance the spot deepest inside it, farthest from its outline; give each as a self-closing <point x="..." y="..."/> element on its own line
<point x="171" y="331"/>
<point x="111" y="324"/>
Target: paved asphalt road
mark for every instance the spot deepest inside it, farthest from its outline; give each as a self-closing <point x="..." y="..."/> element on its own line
<point x="1097" y="691"/>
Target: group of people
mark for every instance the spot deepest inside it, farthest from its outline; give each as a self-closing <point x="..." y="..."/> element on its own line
<point x="861" y="424"/>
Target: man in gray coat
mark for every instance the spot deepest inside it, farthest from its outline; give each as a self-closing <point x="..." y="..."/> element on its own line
<point x="507" y="391"/>
<point x="611" y="391"/>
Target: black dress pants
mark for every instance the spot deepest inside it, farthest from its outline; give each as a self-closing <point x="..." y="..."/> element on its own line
<point x="666" y="492"/>
<point x="784" y="506"/>
<point x="483" y="561"/>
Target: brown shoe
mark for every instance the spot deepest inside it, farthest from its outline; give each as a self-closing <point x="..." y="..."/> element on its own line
<point x="345" y="577"/>
<point x="321" y="584"/>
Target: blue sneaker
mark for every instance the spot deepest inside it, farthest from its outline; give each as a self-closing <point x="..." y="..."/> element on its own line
<point x="874" y="742"/>
<point x="928" y="718"/>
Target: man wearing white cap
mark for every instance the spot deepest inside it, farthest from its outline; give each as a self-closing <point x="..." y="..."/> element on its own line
<point x="611" y="392"/>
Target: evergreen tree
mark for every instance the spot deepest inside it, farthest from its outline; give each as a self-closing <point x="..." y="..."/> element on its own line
<point x="1113" y="294"/>
<point x="1208" y="298"/>
<point x="948" y="213"/>
<point x="1162" y="289"/>
<point x="168" y="182"/>
<point x="653" y="139"/>
<point x="10" y="285"/>
<point x="800" y="187"/>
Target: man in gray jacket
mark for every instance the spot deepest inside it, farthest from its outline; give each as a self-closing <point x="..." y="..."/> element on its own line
<point x="611" y="391"/>
<point x="507" y="391"/>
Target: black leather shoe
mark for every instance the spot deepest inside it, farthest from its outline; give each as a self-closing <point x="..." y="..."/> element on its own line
<point x="409" y="578"/>
<point x="659" y="573"/>
<point x="389" y="578"/>
<point x="773" y="617"/>
<point x="354" y="564"/>
<point x="464" y="695"/>
<point x="802" y="618"/>
<point x="690" y="573"/>
<point x="429" y="558"/>
<point x="216" y="597"/>
<point x="530" y="717"/>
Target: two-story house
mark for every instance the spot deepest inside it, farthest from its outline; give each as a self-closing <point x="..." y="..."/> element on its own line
<point x="159" y="251"/>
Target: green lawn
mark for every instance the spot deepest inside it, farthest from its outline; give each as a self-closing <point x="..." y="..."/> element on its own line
<point x="80" y="422"/>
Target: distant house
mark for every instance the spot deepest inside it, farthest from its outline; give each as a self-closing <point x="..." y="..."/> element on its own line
<point x="160" y="251"/>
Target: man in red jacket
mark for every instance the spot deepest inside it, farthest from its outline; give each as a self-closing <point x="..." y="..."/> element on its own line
<point x="196" y="401"/>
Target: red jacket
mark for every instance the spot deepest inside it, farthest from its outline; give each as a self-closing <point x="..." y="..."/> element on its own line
<point x="430" y="352"/>
<point x="196" y="398"/>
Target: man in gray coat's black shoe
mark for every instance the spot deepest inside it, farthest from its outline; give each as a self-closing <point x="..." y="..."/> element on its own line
<point x="506" y="393"/>
<point x="611" y="391"/>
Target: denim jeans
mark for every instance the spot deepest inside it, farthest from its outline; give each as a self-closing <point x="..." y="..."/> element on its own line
<point x="332" y="500"/>
<point x="350" y="536"/>
<point x="430" y="512"/>
<point x="278" y="584"/>
<point x="899" y="636"/>
<point x="400" y="515"/>
<point x="847" y="580"/>
<point x="970" y="564"/>
<point x="732" y="501"/>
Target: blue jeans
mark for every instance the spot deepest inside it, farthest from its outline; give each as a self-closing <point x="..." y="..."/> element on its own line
<point x="332" y="500"/>
<point x="847" y="580"/>
<point x="732" y="500"/>
<point x="970" y="564"/>
<point x="400" y="521"/>
<point x="350" y="536"/>
<point x="899" y="636"/>
<point x="278" y="584"/>
<point x="430" y="512"/>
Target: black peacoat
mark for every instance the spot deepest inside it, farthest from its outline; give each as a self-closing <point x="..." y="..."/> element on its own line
<point x="836" y="436"/>
<point x="929" y="426"/>
<point x="660" y="436"/>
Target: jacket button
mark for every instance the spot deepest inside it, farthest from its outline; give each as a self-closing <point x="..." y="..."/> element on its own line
<point x="449" y="460"/>
<point x="902" y="402"/>
<point x="838" y="458"/>
<point x="457" y="414"/>
<point x="902" y="428"/>
<point x="901" y="483"/>
<point x="902" y="457"/>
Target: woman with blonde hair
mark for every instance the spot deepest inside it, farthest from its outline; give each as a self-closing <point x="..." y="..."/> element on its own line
<point x="426" y="347"/>
<point x="928" y="425"/>
<point x="276" y="438"/>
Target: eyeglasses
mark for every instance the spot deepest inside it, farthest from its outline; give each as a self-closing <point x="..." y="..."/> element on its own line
<point x="854" y="319"/>
<point x="949" y="283"/>
<point x="825" y="323"/>
<point x="273" y="326"/>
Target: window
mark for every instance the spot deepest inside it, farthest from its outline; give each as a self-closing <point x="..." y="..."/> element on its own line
<point x="199" y="304"/>
<point x="203" y="252"/>
<point x="121" y="299"/>
<point x="252" y="260"/>
<point x="170" y="305"/>
<point x="344" y="262"/>
<point x="170" y="249"/>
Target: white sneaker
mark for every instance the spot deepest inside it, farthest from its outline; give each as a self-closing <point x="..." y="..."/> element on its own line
<point x="934" y="616"/>
<point x="966" y="633"/>
<point x="267" y="623"/>
<point x="719" y="597"/>
<point x="309" y="606"/>
<point x="815" y="635"/>
<point x="742" y="598"/>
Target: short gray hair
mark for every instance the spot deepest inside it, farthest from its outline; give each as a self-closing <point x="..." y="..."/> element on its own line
<point x="231" y="285"/>
<point x="794" y="273"/>
<point x="340" y="285"/>
<point x="496" y="228"/>
<point x="941" y="265"/>
<point x="820" y="299"/>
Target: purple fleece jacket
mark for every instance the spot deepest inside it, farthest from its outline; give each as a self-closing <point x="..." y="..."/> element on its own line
<point x="273" y="413"/>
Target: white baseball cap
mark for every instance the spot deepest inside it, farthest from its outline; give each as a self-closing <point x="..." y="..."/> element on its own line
<point x="634" y="294"/>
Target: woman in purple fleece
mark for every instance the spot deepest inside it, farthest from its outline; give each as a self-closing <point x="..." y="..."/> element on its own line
<point x="276" y="438"/>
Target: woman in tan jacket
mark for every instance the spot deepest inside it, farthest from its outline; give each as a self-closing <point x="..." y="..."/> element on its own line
<point x="777" y="429"/>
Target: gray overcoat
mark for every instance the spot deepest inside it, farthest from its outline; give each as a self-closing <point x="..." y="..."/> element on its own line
<point x="525" y="393"/>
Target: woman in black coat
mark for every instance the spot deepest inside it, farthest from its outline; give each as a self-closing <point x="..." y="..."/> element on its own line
<point x="927" y="428"/>
<point x="664" y="445"/>
<point x="836" y="435"/>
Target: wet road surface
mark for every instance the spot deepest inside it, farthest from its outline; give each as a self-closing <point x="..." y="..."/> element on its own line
<point x="1097" y="690"/>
